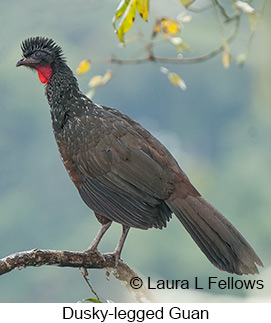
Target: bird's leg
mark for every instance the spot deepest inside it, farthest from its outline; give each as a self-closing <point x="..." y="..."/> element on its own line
<point x="118" y="249"/>
<point x="97" y="239"/>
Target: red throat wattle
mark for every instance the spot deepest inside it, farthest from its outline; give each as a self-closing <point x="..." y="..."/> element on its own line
<point x="44" y="73"/>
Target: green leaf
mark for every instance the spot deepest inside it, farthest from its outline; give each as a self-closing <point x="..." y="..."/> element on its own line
<point x="186" y="3"/>
<point x="179" y="44"/>
<point x="185" y="46"/>
<point x="143" y="8"/>
<point x="176" y="80"/>
<point x="127" y="11"/>
<point x="127" y="19"/>
<point x="120" y="11"/>
<point x="92" y="300"/>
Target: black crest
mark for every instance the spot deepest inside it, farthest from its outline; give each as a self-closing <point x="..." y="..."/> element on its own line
<point x="47" y="45"/>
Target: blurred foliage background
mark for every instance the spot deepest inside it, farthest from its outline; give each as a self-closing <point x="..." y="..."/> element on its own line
<point x="219" y="130"/>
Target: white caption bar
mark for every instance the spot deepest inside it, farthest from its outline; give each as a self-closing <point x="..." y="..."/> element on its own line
<point x="134" y="312"/>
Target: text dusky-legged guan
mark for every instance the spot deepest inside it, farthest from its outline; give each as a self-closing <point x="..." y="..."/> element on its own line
<point x="123" y="173"/>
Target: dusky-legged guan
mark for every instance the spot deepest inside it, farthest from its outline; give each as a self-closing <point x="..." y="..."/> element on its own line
<point x="123" y="173"/>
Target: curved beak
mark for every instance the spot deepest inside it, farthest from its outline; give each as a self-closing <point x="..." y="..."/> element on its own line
<point x="25" y="62"/>
<point x="20" y="62"/>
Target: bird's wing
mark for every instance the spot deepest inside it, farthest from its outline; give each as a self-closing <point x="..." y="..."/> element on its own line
<point x="124" y="168"/>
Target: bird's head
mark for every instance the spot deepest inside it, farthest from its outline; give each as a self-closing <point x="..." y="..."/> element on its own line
<point x="41" y="54"/>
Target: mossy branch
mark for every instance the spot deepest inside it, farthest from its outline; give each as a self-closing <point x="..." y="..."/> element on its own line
<point x="87" y="260"/>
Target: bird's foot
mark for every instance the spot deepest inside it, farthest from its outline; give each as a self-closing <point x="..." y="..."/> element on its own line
<point x="116" y="256"/>
<point x="96" y="251"/>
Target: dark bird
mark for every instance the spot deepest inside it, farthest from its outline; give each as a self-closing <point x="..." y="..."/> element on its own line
<point x="123" y="173"/>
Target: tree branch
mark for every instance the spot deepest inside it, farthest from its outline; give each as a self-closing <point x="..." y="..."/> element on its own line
<point x="88" y="260"/>
<point x="150" y="57"/>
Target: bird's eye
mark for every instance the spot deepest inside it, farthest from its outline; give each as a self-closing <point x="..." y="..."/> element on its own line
<point x="38" y="54"/>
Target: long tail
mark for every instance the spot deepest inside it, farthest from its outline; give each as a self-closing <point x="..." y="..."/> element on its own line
<point x="218" y="239"/>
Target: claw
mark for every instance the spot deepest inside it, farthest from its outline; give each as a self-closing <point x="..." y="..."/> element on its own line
<point x="116" y="256"/>
<point x="89" y="250"/>
<point x="93" y="247"/>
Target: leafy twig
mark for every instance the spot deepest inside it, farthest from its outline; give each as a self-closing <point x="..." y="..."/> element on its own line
<point x="85" y="275"/>
<point x="152" y="58"/>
